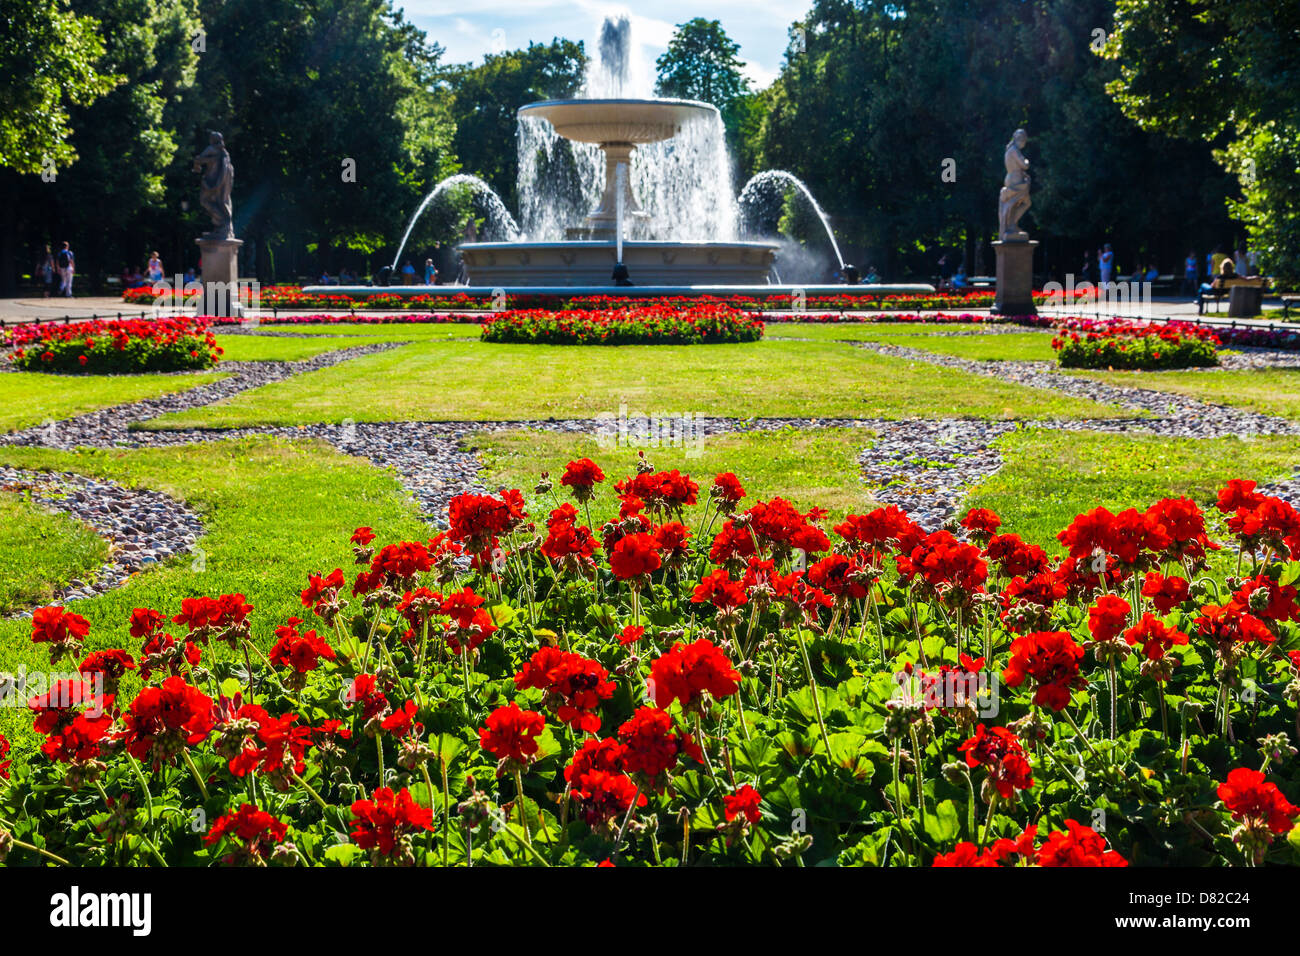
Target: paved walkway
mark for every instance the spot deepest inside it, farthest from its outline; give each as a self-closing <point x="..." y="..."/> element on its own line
<point x="35" y="309"/>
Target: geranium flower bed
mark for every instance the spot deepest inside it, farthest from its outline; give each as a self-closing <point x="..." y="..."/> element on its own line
<point x="1127" y="345"/>
<point x="113" y="346"/>
<point x="294" y="298"/>
<point x="693" y="324"/>
<point x="697" y="682"/>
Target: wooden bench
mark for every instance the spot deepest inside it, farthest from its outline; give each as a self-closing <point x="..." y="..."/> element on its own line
<point x="1244" y="296"/>
<point x="1287" y="302"/>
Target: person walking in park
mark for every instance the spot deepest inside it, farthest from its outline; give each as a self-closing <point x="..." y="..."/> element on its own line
<point x="67" y="264"/>
<point x="430" y="273"/>
<point x="154" y="271"/>
<point x="1191" y="272"/>
<point x="1085" y="270"/>
<point x="45" y="272"/>
<point x="408" y="272"/>
<point x="1106" y="264"/>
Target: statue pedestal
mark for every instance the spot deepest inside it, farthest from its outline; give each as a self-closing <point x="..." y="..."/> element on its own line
<point x="220" y="276"/>
<point x="1015" y="278"/>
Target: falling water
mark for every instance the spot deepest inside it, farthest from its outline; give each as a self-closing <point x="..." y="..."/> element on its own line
<point x="683" y="184"/>
<point x="500" y="224"/>
<point x="617" y="72"/>
<point x="559" y="180"/>
<point x="767" y="184"/>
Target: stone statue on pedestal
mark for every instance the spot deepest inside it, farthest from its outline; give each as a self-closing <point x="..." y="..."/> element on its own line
<point x="218" y="175"/>
<point x="1013" y="199"/>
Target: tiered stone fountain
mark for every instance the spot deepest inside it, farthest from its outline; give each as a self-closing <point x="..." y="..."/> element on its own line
<point x="588" y="254"/>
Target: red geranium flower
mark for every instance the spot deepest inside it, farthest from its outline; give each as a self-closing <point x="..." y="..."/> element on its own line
<point x="61" y="629"/>
<point x="1000" y="751"/>
<point x="146" y="621"/>
<point x="633" y="556"/>
<point x="581" y="476"/>
<point x="1254" y="801"/>
<point x="1108" y="618"/>
<point x="1155" y="637"/>
<point x="1166" y="593"/>
<point x="574" y="685"/>
<point x="650" y="745"/>
<point x="718" y="589"/>
<point x="299" y="652"/>
<point x="744" y="802"/>
<point x="1051" y="658"/>
<point x="257" y="832"/>
<point x="1078" y="846"/>
<point x="688" y="671"/>
<point x="604" y="798"/>
<point x="982" y="523"/>
<point x="386" y="822"/>
<point x="726" y="491"/>
<point x="630" y="635"/>
<point x="511" y="734"/>
<point x="163" y="720"/>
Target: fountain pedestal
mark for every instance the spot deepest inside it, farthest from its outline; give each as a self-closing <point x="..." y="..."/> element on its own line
<point x="1015" y="275"/>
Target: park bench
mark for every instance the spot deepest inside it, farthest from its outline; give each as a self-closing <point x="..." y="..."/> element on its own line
<point x="1244" y="296"/>
<point x="1287" y="302"/>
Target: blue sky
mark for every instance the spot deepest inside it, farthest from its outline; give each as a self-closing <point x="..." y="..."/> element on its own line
<point x="470" y="28"/>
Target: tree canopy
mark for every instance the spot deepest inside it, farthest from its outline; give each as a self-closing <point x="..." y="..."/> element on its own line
<point x="1229" y="75"/>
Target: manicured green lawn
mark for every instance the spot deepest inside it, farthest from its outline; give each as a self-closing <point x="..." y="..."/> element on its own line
<point x="277" y="348"/>
<point x="388" y="331"/>
<point x="806" y="467"/>
<point x="30" y="398"/>
<point x="40" y="551"/>
<point x="856" y="331"/>
<point x="274" y="511"/>
<point x="433" y="381"/>
<point x="1009" y="347"/>
<point x="1048" y="476"/>
<point x="1270" y="391"/>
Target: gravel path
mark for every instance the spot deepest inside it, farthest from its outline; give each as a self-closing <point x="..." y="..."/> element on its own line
<point x="142" y="527"/>
<point x="1172" y="415"/>
<point x="110" y="426"/>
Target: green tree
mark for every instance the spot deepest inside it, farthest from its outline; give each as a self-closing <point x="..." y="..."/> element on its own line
<point x="127" y="139"/>
<point x="487" y="95"/>
<point x="306" y="92"/>
<point x="896" y="115"/>
<point x="50" y="61"/>
<point x="1224" y="73"/>
<point x="701" y="64"/>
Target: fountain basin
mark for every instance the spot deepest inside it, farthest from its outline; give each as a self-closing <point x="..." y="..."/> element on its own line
<point x="591" y="263"/>
<point x="634" y="122"/>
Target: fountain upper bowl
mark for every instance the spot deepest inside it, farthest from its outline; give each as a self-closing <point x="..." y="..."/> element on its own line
<point x="618" y="121"/>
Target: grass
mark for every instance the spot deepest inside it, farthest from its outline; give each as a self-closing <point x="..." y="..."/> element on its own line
<point x="394" y="331"/>
<point x="805" y="467"/>
<point x="40" y="551"/>
<point x="1050" y="476"/>
<point x="1268" y="391"/>
<point x="467" y="381"/>
<point x="857" y="331"/>
<point x="276" y="348"/>
<point x="1008" y="347"/>
<point x="274" y="511"/>
<point x="32" y="398"/>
